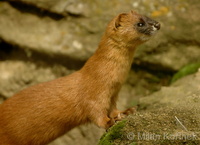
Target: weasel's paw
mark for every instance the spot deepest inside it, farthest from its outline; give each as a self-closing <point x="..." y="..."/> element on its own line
<point x="119" y="117"/>
<point x="110" y="123"/>
<point x="125" y="113"/>
<point x="129" y="111"/>
<point x="105" y="122"/>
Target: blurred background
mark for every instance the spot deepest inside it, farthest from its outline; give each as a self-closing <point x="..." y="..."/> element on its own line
<point x="42" y="40"/>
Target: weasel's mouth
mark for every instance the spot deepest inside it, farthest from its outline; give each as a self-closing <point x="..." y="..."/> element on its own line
<point x="156" y="26"/>
<point x="152" y="29"/>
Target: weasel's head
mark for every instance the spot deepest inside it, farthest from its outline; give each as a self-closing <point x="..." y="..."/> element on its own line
<point x="132" y="28"/>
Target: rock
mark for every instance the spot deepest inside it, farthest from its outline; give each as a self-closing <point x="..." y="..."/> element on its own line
<point x="177" y="43"/>
<point x="17" y="75"/>
<point x="170" y="58"/>
<point x="169" y="116"/>
<point x="181" y="93"/>
<point x="69" y="35"/>
<point x="61" y="7"/>
<point x="43" y="35"/>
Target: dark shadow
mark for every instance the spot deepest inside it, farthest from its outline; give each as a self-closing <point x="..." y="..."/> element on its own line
<point x="14" y="52"/>
<point x="28" y="8"/>
<point x="5" y="49"/>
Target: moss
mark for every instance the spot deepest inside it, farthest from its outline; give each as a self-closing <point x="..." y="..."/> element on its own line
<point x="113" y="134"/>
<point x="133" y="143"/>
<point x="188" y="69"/>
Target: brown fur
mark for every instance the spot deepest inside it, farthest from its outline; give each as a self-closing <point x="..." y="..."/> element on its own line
<point x="41" y="113"/>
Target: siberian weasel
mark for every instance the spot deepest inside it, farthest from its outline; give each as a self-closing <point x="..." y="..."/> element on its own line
<point x="41" y="113"/>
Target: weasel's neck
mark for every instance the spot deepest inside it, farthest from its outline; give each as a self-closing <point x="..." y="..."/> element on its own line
<point x="111" y="62"/>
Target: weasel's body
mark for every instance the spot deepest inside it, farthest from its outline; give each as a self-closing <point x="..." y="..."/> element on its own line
<point x="41" y="113"/>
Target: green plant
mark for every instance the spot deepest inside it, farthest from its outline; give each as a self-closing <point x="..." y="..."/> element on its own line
<point x="186" y="70"/>
<point x="114" y="132"/>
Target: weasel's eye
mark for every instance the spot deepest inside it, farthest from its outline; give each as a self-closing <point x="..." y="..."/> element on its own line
<point x="141" y="24"/>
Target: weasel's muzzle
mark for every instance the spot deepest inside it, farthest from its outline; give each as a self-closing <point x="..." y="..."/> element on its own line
<point x="147" y="26"/>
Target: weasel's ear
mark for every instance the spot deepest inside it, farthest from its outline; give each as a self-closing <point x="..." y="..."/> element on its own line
<point x="133" y="12"/>
<point x="118" y="20"/>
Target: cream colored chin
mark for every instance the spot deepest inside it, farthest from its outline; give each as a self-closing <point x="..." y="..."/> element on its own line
<point x="154" y="30"/>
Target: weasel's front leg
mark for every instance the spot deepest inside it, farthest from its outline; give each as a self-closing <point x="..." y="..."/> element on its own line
<point x="103" y="120"/>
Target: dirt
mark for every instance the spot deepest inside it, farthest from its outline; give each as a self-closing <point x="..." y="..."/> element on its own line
<point x="170" y="116"/>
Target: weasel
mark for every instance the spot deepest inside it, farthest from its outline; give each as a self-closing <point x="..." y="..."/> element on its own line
<point x="39" y="114"/>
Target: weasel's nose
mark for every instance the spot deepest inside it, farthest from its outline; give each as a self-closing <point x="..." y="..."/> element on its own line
<point x="157" y="25"/>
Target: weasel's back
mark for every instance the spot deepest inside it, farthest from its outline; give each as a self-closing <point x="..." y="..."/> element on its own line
<point x="47" y="110"/>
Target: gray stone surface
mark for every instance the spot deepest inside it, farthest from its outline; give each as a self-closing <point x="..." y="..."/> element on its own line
<point x="184" y="93"/>
<point x="45" y="35"/>
<point x="78" y="30"/>
<point x="17" y="75"/>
